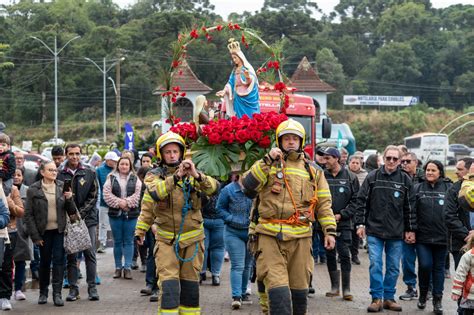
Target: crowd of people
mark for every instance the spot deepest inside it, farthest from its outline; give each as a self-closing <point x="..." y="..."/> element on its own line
<point x="272" y="222"/>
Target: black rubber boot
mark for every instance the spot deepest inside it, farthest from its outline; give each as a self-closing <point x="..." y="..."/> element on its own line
<point x="279" y="300"/>
<point x="346" y="286"/>
<point x="437" y="304"/>
<point x="58" y="273"/>
<point x="299" y="299"/>
<point x="422" y="300"/>
<point x="335" y="283"/>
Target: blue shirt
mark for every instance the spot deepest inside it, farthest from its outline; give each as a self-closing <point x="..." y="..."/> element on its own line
<point x="234" y="207"/>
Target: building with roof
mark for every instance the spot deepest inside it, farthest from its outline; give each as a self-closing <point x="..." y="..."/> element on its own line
<point x="186" y="79"/>
<point x="307" y="82"/>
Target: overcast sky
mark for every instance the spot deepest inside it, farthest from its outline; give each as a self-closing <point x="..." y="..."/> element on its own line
<point x="225" y="7"/>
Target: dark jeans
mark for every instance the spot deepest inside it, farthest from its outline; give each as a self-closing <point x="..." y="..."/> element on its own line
<point x="355" y="243"/>
<point x="34" y="264"/>
<point x="91" y="263"/>
<point x="151" y="278"/>
<point x="343" y="243"/>
<point x="20" y="273"/>
<point x="6" y="274"/>
<point x="318" y="245"/>
<point x="457" y="258"/>
<point x="51" y="251"/>
<point x="431" y="260"/>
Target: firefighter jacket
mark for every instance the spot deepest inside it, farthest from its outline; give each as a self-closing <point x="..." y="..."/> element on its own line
<point x="307" y="185"/>
<point x="163" y="202"/>
<point x="466" y="194"/>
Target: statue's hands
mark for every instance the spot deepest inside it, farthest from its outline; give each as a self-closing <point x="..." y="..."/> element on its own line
<point x="247" y="75"/>
<point x="221" y="93"/>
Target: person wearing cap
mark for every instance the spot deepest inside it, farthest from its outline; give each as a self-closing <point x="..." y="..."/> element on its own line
<point x="291" y="191"/>
<point x="110" y="161"/>
<point x="344" y="187"/>
<point x="386" y="214"/>
<point x="355" y="166"/>
<point x="172" y="204"/>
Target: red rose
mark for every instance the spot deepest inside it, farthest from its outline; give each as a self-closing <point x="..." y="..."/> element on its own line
<point x="175" y="63"/>
<point x="194" y="34"/>
<point x="176" y="88"/>
<point x="279" y="86"/>
<point x="242" y="136"/>
<point x="214" y="138"/>
<point x="265" y="142"/>
<point x="219" y="27"/>
<point x="237" y="26"/>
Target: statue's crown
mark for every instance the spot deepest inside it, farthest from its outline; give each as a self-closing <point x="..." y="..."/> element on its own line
<point x="233" y="46"/>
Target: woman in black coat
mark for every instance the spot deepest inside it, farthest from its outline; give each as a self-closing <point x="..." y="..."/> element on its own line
<point x="45" y="216"/>
<point x="431" y="236"/>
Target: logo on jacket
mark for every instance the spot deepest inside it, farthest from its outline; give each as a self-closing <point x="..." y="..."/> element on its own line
<point x="341" y="189"/>
<point x="396" y="194"/>
<point x="397" y="186"/>
<point x="82" y="181"/>
<point x="441" y="202"/>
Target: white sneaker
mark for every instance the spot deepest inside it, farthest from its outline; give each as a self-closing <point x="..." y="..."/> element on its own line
<point x="19" y="296"/>
<point x="6" y="305"/>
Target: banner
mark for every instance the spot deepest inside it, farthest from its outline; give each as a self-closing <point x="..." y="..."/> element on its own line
<point x="129" y="137"/>
<point x="380" y="100"/>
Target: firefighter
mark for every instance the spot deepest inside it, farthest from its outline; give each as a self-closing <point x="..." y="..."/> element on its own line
<point x="290" y="190"/>
<point x="171" y="202"/>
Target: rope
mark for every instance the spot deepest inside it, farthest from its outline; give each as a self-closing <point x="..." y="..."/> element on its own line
<point x="295" y="218"/>
<point x="184" y="211"/>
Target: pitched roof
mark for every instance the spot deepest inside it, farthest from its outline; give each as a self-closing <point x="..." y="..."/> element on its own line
<point x="306" y="79"/>
<point x="186" y="79"/>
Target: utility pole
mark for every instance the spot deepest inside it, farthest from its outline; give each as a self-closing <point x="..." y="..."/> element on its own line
<point x="55" y="54"/>
<point x="104" y="71"/>
<point x="117" y="97"/>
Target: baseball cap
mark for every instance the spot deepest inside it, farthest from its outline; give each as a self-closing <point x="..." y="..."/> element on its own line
<point x="331" y="151"/>
<point x="111" y="155"/>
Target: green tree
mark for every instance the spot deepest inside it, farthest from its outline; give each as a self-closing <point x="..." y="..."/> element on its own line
<point x="393" y="66"/>
<point x="330" y="71"/>
<point x="4" y="64"/>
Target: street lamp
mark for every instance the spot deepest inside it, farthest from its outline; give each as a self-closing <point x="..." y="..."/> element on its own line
<point x="55" y="54"/>
<point x="104" y="71"/>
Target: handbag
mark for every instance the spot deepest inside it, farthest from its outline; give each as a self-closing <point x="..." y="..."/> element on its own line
<point x="76" y="236"/>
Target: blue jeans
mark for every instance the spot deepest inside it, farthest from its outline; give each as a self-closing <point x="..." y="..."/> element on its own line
<point x="431" y="261"/>
<point x="123" y="231"/>
<point x="240" y="259"/>
<point x="408" y="264"/>
<point x="214" y="245"/>
<point x="384" y="286"/>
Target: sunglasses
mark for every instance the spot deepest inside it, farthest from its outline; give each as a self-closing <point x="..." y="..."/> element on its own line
<point x="406" y="161"/>
<point x="391" y="158"/>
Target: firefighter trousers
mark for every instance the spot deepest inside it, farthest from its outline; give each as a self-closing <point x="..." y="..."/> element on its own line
<point x="176" y="277"/>
<point x="285" y="268"/>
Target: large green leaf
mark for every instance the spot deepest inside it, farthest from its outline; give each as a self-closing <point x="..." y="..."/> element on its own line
<point x="214" y="160"/>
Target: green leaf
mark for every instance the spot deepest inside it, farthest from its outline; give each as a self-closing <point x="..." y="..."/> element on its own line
<point x="214" y="160"/>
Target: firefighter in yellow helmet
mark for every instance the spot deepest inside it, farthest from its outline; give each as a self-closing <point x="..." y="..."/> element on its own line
<point x="290" y="191"/>
<point x="171" y="202"/>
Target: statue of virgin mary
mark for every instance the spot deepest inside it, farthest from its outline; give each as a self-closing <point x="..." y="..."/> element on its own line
<point x="241" y="91"/>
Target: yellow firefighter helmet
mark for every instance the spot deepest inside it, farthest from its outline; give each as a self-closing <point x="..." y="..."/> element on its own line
<point x="290" y="126"/>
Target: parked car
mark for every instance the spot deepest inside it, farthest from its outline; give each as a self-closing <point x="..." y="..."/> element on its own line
<point x="53" y="141"/>
<point x="460" y="149"/>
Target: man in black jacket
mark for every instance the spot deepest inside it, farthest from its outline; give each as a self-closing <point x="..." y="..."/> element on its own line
<point x="459" y="221"/>
<point x="344" y="187"/>
<point x="84" y="187"/>
<point x="386" y="214"/>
